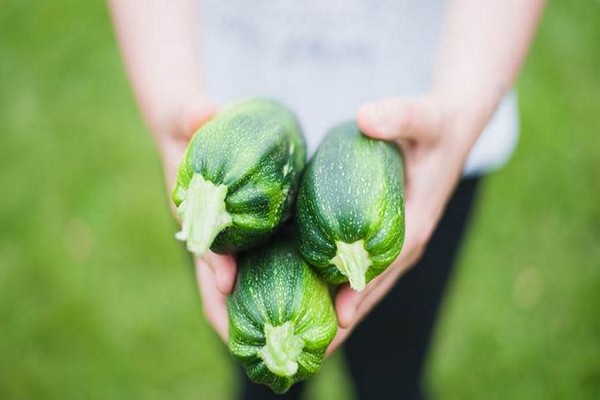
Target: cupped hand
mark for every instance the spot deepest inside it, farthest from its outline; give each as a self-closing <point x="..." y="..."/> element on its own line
<point x="435" y="143"/>
<point x="215" y="273"/>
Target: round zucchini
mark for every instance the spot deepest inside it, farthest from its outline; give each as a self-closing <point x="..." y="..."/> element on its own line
<point x="237" y="180"/>
<point x="350" y="207"/>
<point x="281" y="316"/>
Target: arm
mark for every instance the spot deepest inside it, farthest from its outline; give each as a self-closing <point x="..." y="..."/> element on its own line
<point x="483" y="46"/>
<point x="159" y="43"/>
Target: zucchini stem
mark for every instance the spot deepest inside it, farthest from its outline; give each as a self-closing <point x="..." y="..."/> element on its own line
<point x="203" y="214"/>
<point x="282" y="350"/>
<point x="353" y="261"/>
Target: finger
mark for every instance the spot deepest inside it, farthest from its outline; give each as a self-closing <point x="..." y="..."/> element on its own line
<point x="352" y="306"/>
<point x="378" y="291"/>
<point x="399" y="118"/>
<point x="340" y="337"/>
<point x="224" y="269"/>
<point x="213" y="302"/>
<point x="346" y="301"/>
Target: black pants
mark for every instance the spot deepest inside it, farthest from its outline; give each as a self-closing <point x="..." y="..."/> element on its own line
<point x="387" y="351"/>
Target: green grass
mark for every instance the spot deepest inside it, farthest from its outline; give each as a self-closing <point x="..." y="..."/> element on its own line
<point x="97" y="300"/>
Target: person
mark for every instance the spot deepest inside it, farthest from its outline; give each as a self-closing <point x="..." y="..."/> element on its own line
<point x="433" y="76"/>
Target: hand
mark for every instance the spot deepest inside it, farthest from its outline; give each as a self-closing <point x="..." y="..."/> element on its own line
<point x="215" y="273"/>
<point x="435" y="143"/>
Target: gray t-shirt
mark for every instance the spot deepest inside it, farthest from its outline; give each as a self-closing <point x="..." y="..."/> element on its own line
<point x="325" y="58"/>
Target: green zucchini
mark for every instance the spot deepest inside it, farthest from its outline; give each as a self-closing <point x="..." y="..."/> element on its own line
<point x="281" y="316"/>
<point x="237" y="180"/>
<point x="350" y="207"/>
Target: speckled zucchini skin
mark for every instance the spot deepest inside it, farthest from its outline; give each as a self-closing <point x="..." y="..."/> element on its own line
<point x="274" y="286"/>
<point x="257" y="150"/>
<point x="352" y="190"/>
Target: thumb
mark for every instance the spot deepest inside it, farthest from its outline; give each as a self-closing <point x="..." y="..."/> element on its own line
<point x="398" y="118"/>
<point x="193" y="115"/>
<point x="183" y="124"/>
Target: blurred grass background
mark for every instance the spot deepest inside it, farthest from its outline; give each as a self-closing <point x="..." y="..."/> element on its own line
<point x="97" y="300"/>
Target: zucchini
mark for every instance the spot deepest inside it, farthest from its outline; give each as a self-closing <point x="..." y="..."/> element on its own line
<point x="281" y="316"/>
<point x="350" y="207"/>
<point x="237" y="180"/>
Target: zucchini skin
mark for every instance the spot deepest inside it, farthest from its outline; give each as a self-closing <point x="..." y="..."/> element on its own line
<point x="276" y="286"/>
<point x="352" y="190"/>
<point x="256" y="149"/>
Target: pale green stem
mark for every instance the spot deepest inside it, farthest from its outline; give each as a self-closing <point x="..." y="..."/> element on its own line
<point x="203" y="214"/>
<point x="282" y="350"/>
<point x="352" y="260"/>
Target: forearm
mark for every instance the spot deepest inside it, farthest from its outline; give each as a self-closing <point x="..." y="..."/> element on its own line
<point x="159" y="43"/>
<point x="484" y="44"/>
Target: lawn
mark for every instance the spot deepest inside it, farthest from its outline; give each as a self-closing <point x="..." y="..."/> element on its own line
<point x="98" y="301"/>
